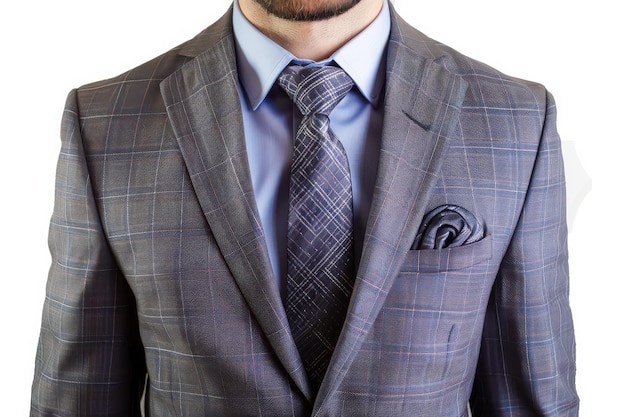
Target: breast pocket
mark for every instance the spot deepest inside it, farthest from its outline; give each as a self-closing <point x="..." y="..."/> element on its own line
<point x="452" y="282"/>
<point x="448" y="259"/>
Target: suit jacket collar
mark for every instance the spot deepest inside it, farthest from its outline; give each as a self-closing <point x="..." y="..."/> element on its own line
<point x="422" y="104"/>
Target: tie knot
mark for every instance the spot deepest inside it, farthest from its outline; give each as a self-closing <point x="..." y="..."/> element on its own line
<point x="315" y="89"/>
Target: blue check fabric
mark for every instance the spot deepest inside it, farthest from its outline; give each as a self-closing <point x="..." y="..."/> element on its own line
<point x="320" y="243"/>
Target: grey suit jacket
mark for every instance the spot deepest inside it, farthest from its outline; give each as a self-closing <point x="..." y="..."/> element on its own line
<point x="161" y="280"/>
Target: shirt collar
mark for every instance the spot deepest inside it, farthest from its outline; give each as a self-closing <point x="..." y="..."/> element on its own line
<point x="260" y="60"/>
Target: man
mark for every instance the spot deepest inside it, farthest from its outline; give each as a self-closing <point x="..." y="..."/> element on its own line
<point x="177" y="230"/>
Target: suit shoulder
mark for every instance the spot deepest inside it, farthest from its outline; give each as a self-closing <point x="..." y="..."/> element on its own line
<point x="486" y="86"/>
<point x="498" y="106"/>
<point x="489" y="87"/>
<point x="135" y="90"/>
<point x="139" y="87"/>
<point x="495" y="106"/>
<point x="156" y="68"/>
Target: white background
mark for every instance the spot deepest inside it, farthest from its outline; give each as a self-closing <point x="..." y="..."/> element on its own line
<point x="575" y="48"/>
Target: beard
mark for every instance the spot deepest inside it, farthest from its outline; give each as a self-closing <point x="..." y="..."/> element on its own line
<point x="306" y="10"/>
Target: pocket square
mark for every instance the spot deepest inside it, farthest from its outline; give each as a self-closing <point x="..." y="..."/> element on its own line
<point x="448" y="226"/>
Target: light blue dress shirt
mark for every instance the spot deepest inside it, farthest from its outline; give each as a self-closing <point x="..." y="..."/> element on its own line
<point x="270" y="121"/>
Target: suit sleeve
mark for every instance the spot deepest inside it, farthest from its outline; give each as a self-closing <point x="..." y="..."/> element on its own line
<point x="89" y="359"/>
<point x="527" y="359"/>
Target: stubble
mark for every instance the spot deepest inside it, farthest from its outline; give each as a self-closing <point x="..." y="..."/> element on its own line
<point x="306" y="10"/>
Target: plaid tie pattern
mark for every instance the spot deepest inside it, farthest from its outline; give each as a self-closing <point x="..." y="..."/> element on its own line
<point x="320" y="243"/>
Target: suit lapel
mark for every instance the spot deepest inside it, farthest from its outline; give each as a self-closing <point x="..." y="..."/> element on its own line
<point x="422" y="105"/>
<point x="202" y="102"/>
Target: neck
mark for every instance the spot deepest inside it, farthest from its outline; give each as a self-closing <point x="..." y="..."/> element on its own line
<point x="315" y="40"/>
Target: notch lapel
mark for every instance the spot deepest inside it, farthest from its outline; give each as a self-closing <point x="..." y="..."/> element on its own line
<point x="203" y="106"/>
<point x="422" y="105"/>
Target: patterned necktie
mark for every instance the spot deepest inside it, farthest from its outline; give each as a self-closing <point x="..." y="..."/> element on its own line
<point x="319" y="249"/>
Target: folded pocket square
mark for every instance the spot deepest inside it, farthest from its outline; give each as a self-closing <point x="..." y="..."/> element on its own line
<point x="448" y="226"/>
